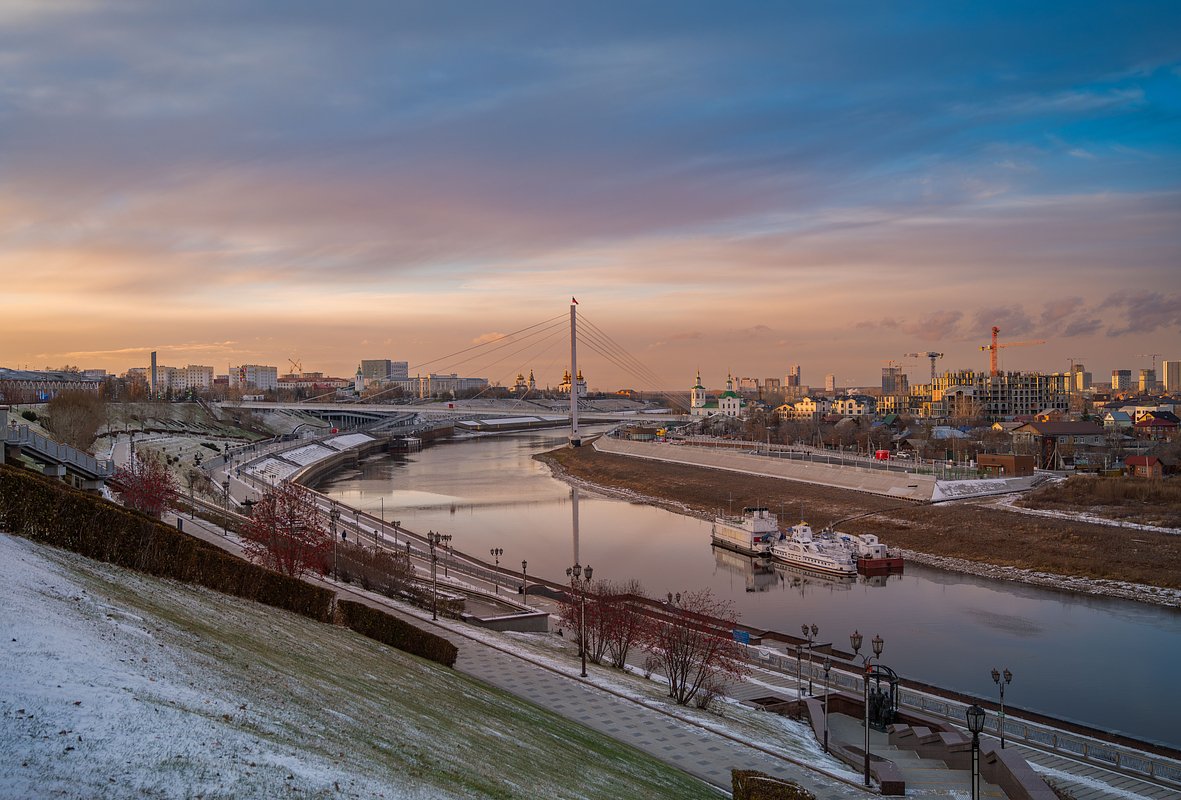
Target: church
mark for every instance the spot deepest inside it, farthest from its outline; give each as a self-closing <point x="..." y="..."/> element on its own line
<point x="729" y="403"/>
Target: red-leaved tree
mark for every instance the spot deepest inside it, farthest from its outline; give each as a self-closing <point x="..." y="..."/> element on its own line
<point x="286" y="531"/>
<point x="691" y="643"/>
<point x="145" y="484"/>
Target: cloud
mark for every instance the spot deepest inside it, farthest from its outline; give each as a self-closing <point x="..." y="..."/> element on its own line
<point x="1144" y="312"/>
<point x="1012" y="320"/>
<point x="1082" y="327"/>
<point x="486" y="338"/>
<point x="933" y="327"/>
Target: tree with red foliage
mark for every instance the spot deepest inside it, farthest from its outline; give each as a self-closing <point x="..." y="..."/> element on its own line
<point x="145" y="484"/>
<point x="691" y="643"/>
<point x="286" y="531"/>
<point x="615" y="623"/>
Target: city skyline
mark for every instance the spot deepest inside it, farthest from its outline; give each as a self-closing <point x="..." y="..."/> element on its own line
<point x="731" y="191"/>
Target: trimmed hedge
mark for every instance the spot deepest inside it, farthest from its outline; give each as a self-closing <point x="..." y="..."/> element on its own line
<point x="48" y="511"/>
<point x="747" y="784"/>
<point x="395" y="632"/>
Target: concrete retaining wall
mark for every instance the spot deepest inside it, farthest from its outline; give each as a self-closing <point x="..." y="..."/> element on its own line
<point x="903" y="485"/>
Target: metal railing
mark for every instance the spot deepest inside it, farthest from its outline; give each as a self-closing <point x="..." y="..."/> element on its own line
<point x="58" y="452"/>
<point x="1116" y="757"/>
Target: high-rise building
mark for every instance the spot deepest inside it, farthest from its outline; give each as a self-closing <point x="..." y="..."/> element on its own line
<point x="894" y="381"/>
<point x="1080" y="378"/>
<point x="254" y="376"/>
<point x="399" y="370"/>
<point x="830" y="383"/>
<point x="1171" y="374"/>
<point x="793" y="376"/>
<point x="1148" y="381"/>
<point x="1121" y="380"/>
<point x="376" y="369"/>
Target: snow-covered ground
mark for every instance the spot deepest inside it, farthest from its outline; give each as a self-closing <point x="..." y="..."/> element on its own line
<point x="119" y="685"/>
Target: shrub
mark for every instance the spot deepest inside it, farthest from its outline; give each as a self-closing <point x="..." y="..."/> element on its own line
<point x="747" y="784"/>
<point x="31" y="416"/>
<point x="396" y="632"/>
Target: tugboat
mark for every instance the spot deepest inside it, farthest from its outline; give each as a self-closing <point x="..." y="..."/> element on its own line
<point x="752" y="534"/>
<point x="825" y="553"/>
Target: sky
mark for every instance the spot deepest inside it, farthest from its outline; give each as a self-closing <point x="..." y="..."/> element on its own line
<point x="733" y="188"/>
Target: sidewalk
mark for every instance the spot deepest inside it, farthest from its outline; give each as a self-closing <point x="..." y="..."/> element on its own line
<point x="706" y="754"/>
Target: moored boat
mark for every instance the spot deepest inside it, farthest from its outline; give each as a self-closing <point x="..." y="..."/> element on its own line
<point x="871" y="555"/>
<point x="753" y="533"/>
<point x="825" y="553"/>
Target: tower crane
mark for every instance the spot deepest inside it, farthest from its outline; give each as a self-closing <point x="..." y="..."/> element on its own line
<point x="1153" y="356"/>
<point x="929" y="354"/>
<point x="992" y="348"/>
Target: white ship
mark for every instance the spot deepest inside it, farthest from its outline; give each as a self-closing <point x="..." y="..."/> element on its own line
<point x="753" y="533"/>
<point x="823" y="553"/>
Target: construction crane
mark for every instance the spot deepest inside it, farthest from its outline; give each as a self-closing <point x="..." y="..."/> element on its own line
<point x="296" y="366"/>
<point x="929" y="354"/>
<point x="992" y="348"/>
<point x="1153" y="356"/>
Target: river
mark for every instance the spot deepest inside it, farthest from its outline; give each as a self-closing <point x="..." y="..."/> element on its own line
<point x="1102" y="662"/>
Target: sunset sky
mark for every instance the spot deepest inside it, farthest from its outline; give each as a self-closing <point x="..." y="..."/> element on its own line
<point x="730" y="187"/>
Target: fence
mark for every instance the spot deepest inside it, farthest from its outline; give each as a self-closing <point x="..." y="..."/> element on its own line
<point x="1042" y="737"/>
<point x="61" y="453"/>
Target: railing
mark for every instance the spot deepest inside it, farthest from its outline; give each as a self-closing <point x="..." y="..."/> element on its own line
<point x="61" y="453"/>
<point x="1042" y="737"/>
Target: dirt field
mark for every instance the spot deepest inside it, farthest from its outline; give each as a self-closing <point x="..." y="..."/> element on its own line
<point x="1135" y="500"/>
<point x="975" y="531"/>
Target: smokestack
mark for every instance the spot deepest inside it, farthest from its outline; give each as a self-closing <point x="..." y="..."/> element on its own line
<point x="153" y="386"/>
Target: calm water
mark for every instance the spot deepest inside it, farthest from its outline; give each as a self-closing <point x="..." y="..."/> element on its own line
<point x="1106" y="663"/>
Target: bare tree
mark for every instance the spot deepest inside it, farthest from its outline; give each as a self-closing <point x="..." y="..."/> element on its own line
<point x="624" y="625"/>
<point x="286" y="531"/>
<point x="145" y="484"/>
<point x="75" y="417"/>
<point x="692" y="644"/>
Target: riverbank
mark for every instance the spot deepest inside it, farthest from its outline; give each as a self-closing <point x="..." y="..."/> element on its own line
<point x="975" y="537"/>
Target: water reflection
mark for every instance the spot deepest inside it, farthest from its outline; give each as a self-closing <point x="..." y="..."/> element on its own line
<point x="941" y="627"/>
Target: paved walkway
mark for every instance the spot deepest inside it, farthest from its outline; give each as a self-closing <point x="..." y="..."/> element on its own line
<point x="707" y="754"/>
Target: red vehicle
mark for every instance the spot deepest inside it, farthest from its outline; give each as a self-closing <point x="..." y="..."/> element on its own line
<point x="881" y="455"/>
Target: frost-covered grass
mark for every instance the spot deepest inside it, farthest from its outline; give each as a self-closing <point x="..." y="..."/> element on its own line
<point x="121" y="685"/>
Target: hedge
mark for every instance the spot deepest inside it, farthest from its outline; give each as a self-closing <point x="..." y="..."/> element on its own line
<point x="751" y="785"/>
<point x="48" y="511"/>
<point x="395" y="632"/>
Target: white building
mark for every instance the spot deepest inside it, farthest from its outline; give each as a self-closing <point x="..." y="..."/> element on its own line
<point x="254" y="376"/>
<point x="564" y="387"/>
<point x="729" y="403"/>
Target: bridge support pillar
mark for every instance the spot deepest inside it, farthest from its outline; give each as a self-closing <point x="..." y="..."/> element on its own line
<point x="12" y="451"/>
<point x="54" y="470"/>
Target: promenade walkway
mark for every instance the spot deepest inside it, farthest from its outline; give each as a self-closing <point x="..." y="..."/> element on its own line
<point x="707" y="753"/>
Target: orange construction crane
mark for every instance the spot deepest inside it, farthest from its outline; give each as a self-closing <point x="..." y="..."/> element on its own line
<point x="992" y="348"/>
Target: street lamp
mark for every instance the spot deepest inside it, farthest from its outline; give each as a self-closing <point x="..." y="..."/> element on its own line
<point x="810" y="635"/>
<point x="878" y="644"/>
<point x="225" y="488"/>
<point x="575" y="573"/>
<point x="827" y="667"/>
<point x="975" y="715"/>
<point x="446" y="539"/>
<point x="996" y="678"/>
<point x="496" y="553"/>
<point x="525" y="582"/>
<point x="433" y="539"/>
<point x="333" y="519"/>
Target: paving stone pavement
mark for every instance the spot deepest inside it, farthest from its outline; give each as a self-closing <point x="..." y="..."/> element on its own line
<point x="705" y="754"/>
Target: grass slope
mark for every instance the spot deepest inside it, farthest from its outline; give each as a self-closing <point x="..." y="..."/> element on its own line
<point x="121" y="685"/>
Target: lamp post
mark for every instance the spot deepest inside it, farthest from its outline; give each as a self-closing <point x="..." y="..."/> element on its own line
<point x="996" y="678"/>
<point x="496" y="553"/>
<point x="975" y="715"/>
<point x="381" y="532"/>
<point x="810" y="635"/>
<point x="878" y="644"/>
<point x="575" y="573"/>
<point x="525" y="582"/>
<point x="333" y="519"/>
<point x="446" y="539"/>
<point x="225" y="519"/>
<point x="827" y="667"/>
<point x="433" y="539"/>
